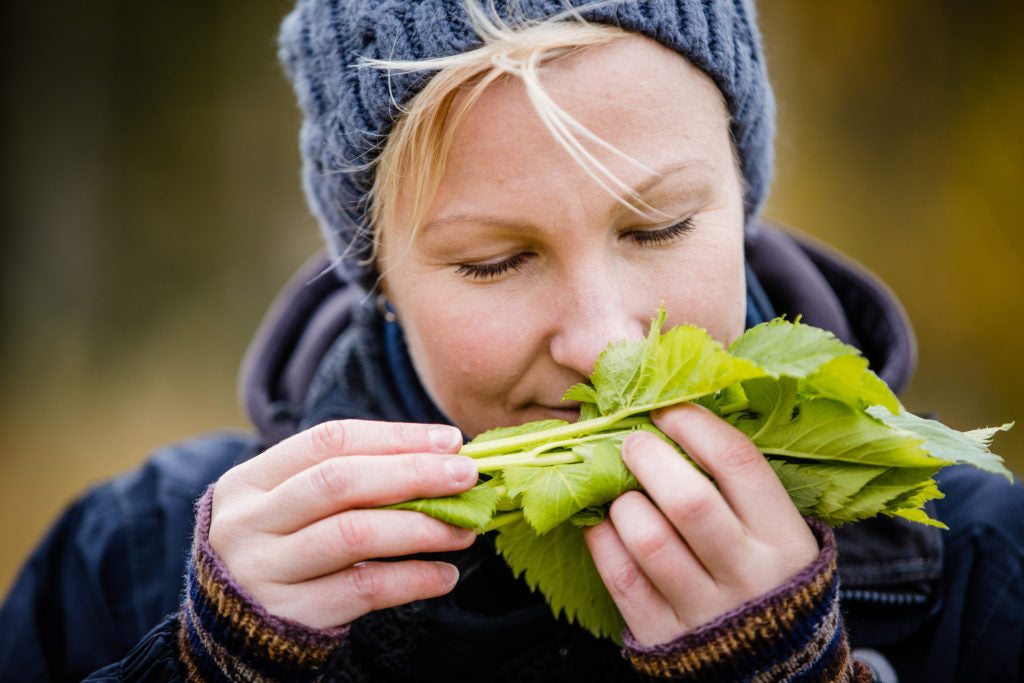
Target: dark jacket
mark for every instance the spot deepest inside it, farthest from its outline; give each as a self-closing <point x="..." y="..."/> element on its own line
<point x="97" y="598"/>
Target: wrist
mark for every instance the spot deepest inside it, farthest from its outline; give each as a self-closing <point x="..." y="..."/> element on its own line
<point x="792" y="629"/>
<point x="222" y="628"/>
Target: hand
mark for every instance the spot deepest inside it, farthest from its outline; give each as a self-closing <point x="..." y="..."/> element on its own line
<point x="688" y="552"/>
<point x="292" y="528"/>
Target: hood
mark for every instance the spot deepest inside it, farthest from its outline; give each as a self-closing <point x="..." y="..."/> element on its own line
<point x="801" y="278"/>
<point x="804" y="277"/>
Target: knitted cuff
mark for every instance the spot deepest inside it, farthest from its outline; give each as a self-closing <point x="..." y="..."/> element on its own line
<point x="793" y="633"/>
<point x="225" y="635"/>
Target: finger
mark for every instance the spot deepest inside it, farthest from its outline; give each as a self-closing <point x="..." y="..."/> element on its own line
<point x="343" y="437"/>
<point x="344" y="596"/>
<point x="662" y="555"/>
<point x="644" y="609"/>
<point x="742" y="473"/>
<point x="357" y="481"/>
<point x="342" y="540"/>
<point x="694" y="507"/>
<point x="695" y="595"/>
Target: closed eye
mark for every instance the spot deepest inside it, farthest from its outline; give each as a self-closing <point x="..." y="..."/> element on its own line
<point x="654" y="238"/>
<point x="491" y="271"/>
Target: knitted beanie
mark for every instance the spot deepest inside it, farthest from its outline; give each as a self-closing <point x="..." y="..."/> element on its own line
<point x="348" y="112"/>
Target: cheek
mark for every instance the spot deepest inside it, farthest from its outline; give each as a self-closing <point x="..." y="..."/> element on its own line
<point x="470" y="357"/>
<point x="448" y="345"/>
<point x="712" y="294"/>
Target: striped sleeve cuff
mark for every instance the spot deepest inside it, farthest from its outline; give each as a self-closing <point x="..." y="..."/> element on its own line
<point x="794" y="633"/>
<point x="225" y="635"/>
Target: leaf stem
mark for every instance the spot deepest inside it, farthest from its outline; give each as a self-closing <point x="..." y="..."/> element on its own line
<point x="512" y="444"/>
<point x="497" y="462"/>
<point x="503" y="519"/>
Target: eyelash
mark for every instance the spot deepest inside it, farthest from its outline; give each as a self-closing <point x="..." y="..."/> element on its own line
<point x="654" y="238"/>
<point x="489" y="271"/>
<point x="645" y="238"/>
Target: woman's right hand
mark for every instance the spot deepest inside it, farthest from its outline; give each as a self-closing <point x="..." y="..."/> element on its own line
<point x="295" y="529"/>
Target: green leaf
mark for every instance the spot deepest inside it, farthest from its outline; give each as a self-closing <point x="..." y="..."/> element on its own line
<point x="589" y="516"/>
<point x="846" y="482"/>
<point x="837" y="493"/>
<point x="832" y="483"/>
<point x="804" y="486"/>
<point x="681" y="365"/>
<point x="588" y="411"/>
<point x="919" y="516"/>
<point x="983" y="436"/>
<point x="471" y="509"/>
<point x="771" y="405"/>
<point x="585" y="394"/>
<point x="887" y="493"/>
<point x="552" y="495"/>
<point x="558" y="563"/>
<point x="731" y="399"/>
<point x="518" y="430"/>
<point x="824" y="429"/>
<point x="835" y="435"/>
<point x="791" y="349"/>
<point x="910" y="504"/>
<point x="847" y="379"/>
<point x="875" y="392"/>
<point x="947" y="444"/>
<point x="618" y="369"/>
<point x="506" y="499"/>
<point x="609" y="476"/>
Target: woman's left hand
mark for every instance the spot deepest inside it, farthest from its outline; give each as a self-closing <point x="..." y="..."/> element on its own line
<point x="688" y="552"/>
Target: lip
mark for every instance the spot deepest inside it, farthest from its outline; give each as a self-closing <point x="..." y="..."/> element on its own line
<point x="568" y="411"/>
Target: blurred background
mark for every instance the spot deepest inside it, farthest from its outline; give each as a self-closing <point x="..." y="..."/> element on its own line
<point x="151" y="209"/>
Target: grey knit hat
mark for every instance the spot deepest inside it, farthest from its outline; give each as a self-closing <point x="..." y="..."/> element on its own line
<point x="348" y="112"/>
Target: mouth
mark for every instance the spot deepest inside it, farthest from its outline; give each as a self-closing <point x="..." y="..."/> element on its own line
<point x="567" y="410"/>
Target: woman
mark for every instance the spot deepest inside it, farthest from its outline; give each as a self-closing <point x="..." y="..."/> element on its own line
<point x="520" y="193"/>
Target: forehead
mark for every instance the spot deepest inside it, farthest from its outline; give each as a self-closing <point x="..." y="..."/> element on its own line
<point x="633" y="66"/>
<point x="634" y="105"/>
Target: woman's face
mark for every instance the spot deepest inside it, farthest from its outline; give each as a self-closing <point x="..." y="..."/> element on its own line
<point x="526" y="268"/>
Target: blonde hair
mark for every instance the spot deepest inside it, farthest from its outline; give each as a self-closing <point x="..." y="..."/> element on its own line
<point x="417" y="148"/>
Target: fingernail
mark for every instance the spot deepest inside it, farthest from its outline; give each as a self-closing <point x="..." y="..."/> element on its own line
<point x="448" y="572"/>
<point x="634" y="441"/>
<point x="462" y="533"/>
<point x="445" y="438"/>
<point x="460" y="468"/>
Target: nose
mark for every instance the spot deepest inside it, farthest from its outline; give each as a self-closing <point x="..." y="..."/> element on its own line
<point x="600" y="314"/>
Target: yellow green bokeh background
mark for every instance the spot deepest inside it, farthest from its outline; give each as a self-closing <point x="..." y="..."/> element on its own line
<point x="151" y="208"/>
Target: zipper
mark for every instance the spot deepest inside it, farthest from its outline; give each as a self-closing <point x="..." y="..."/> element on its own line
<point x="882" y="597"/>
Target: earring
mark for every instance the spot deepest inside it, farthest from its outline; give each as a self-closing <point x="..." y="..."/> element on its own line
<point x="384" y="308"/>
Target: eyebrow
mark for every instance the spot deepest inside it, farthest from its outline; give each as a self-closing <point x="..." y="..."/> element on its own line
<point x="655" y="179"/>
<point x="639" y="190"/>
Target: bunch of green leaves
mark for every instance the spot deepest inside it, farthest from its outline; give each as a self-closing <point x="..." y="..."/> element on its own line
<point x="839" y="440"/>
